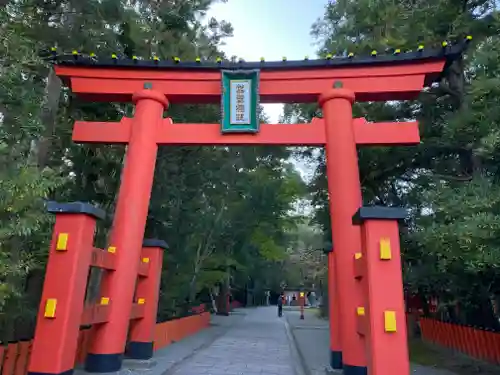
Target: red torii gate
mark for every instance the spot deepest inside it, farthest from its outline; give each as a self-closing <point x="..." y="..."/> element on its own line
<point x="368" y="331"/>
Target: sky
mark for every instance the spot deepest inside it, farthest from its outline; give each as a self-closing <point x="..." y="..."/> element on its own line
<point x="270" y="29"/>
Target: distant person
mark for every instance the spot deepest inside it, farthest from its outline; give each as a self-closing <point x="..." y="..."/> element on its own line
<point x="280" y="305"/>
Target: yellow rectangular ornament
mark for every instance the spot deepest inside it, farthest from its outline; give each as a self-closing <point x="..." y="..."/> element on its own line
<point x="390" y="321"/>
<point x="50" y="308"/>
<point x="385" y="249"/>
<point x="62" y="242"/>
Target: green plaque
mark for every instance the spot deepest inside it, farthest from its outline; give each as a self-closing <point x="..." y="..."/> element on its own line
<point x="240" y="101"/>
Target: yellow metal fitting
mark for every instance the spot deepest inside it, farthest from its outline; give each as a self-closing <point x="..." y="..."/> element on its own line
<point x="104" y="300"/>
<point x="390" y="321"/>
<point x="50" y="308"/>
<point x="112" y="249"/>
<point x="360" y="311"/>
<point x="141" y="301"/>
<point x="385" y="249"/>
<point x="62" y="242"/>
<point x="145" y="260"/>
<point x="358" y="256"/>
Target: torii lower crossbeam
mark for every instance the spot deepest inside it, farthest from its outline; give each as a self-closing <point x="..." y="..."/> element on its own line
<point x="308" y="134"/>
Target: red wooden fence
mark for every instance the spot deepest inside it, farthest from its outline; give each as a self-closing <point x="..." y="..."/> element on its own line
<point x="14" y="356"/>
<point x="235" y="305"/>
<point x="478" y="343"/>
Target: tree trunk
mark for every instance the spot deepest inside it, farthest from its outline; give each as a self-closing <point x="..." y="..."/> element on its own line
<point x="40" y="153"/>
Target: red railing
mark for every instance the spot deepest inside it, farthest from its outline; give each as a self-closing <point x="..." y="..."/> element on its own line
<point x="475" y="342"/>
<point x="235" y="305"/>
<point x="14" y="356"/>
<point x="175" y="330"/>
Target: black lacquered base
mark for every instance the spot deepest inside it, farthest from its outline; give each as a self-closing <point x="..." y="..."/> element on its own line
<point x="139" y="350"/>
<point x="335" y="360"/>
<point x="67" y="372"/>
<point x="103" y="362"/>
<point x="355" y="370"/>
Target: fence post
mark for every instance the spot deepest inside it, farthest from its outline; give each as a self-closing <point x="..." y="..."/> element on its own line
<point x="384" y="311"/>
<point x="142" y="330"/>
<point x="59" y="317"/>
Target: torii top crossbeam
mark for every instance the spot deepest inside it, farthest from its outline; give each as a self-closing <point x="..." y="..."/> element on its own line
<point x="397" y="76"/>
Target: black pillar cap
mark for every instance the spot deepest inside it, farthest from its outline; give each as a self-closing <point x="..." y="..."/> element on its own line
<point x="75" y="208"/>
<point x="151" y="242"/>
<point x="379" y="213"/>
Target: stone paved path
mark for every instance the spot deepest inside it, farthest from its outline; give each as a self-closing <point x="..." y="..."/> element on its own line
<point x="256" y="345"/>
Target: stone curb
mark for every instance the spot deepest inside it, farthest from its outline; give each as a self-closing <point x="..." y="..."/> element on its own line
<point x="298" y="356"/>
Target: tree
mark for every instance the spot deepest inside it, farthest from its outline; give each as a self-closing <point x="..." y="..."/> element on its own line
<point x="219" y="209"/>
<point x="449" y="181"/>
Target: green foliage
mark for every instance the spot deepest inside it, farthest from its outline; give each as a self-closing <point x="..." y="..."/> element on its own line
<point x="224" y="212"/>
<point x="450" y="181"/>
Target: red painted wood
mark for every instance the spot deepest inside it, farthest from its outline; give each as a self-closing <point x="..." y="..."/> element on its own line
<point x="333" y="306"/>
<point x="95" y="314"/>
<point x="56" y="339"/>
<point x="142" y="330"/>
<point x="344" y="192"/>
<point x="312" y="134"/>
<point x="103" y="259"/>
<point x="129" y="223"/>
<point x="392" y="81"/>
<point x="387" y="351"/>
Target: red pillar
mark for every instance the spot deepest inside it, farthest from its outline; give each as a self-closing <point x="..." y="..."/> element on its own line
<point x="345" y="198"/>
<point x="108" y="341"/>
<point x="60" y="314"/>
<point x="333" y="314"/>
<point x="385" y="318"/>
<point x="141" y="334"/>
<point x="302" y="302"/>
